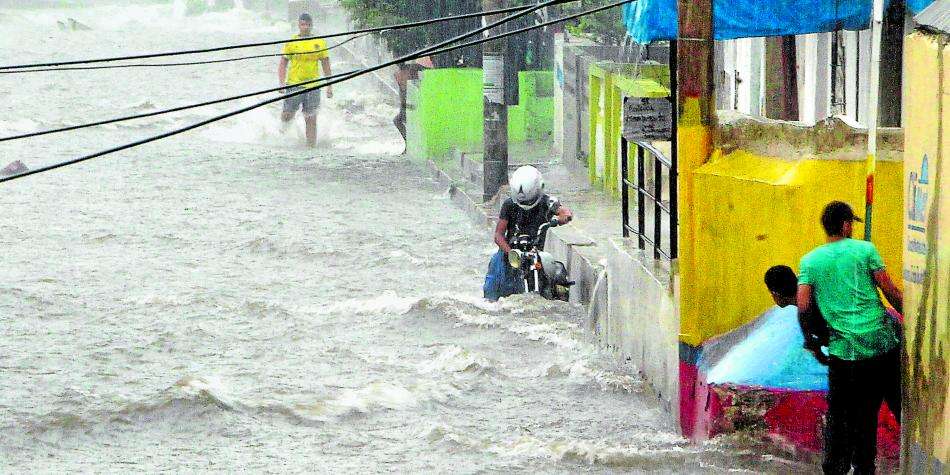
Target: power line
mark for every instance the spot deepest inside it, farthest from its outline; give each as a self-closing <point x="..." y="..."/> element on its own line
<point x="266" y="91"/>
<point x="202" y="104"/>
<point x="270" y="43"/>
<point x="420" y="53"/>
<point x="189" y="63"/>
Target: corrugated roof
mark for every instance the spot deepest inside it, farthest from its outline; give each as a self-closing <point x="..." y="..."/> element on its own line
<point x="936" y="16"/>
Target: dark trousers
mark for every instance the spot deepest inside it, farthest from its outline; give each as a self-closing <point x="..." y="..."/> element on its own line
<point x="856" y="390"/>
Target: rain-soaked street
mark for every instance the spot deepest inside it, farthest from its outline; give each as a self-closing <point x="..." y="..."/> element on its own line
<point x="228" y="300"/>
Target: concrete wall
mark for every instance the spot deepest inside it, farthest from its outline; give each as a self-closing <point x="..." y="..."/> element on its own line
<point x="926" y="247"/>
<point x="632" y="305"/>
<point x="575" y="64"/>
<point x="445" y="111"/>
<point x="609" y="83"/>
<point x="642" y="318"/>
<point x="558" y="147"/>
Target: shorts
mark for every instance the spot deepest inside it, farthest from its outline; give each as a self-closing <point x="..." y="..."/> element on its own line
<point x="309" y="101"/>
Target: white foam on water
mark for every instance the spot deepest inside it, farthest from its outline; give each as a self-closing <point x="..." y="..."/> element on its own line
<point x="379" y="396"/>
<point x="642" y="450"/>
<point x="263" y="126"/>
<point x="19" y="126"/>
<point x="258" y="126"/>
<point x="455" y="359"/>
<point x="386" y="303"/>
<point x="207" y="386"/>
<point x="578" y="358"/>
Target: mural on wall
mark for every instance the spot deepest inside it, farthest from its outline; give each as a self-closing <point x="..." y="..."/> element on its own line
<point x="927" y="276"/>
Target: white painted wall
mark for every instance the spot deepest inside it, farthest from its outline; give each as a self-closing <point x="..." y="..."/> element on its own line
<point x="740" y="73"/>
<point x="807" y="69"/>
<point x="558" y="95"/>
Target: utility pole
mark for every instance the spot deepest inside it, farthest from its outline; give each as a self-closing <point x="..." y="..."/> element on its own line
<point x="495" y="163"/>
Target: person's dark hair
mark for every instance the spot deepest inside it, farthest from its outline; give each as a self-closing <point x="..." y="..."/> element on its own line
<point x="835" y="215"/>
<point x="781" y="280"/>
<point x="306" y="17"/>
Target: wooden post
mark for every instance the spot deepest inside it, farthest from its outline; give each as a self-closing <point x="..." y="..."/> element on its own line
<point x="781" y="87"/>
<point x="696" y="120"/>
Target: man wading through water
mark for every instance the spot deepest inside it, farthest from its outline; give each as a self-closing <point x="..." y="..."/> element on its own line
<point x="843" y="276"/>
<point x="523" y="212"/>
<point x="302" y="56"/>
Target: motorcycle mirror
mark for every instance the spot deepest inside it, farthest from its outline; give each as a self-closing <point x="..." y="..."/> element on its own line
<point x="514" y="258"/>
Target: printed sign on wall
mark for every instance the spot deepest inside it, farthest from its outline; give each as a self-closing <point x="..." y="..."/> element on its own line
<point x="646" y="118"/>
<point x="493" y="69"/>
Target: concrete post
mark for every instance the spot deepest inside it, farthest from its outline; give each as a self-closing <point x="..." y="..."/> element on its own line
<point x="496" y="112"/>
<point x="781" y="74"/>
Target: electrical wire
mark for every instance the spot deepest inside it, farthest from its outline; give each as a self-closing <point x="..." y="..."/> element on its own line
<point x="420" y="53"/>
<point x="270" y="43"/>
<point x="200" y="104"/>
<point x="266" y="91"/>
<point x="189" y="63"/>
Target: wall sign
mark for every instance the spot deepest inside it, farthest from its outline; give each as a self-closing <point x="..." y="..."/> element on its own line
<point x="493" y="70"/>
<point x="646" y="118"/>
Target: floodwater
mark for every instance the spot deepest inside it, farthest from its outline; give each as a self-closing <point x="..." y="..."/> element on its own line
<point x="227" y="300"/>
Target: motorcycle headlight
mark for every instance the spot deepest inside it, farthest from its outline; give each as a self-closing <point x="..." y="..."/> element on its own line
<point x="514" y="258"/>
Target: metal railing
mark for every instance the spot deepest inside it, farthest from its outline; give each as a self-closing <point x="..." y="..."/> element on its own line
<point x="644" y="196"/>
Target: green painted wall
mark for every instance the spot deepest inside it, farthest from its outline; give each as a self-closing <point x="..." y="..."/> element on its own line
<point x="445" y="112"/>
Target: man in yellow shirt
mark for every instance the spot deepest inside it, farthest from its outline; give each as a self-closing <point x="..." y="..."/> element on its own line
<point x="302" y="57"/>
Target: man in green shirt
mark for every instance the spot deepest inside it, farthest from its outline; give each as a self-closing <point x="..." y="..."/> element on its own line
<point x="843" y="277"/>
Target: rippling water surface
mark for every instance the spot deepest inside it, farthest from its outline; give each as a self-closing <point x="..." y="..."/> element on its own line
<point x="227" y="300"/>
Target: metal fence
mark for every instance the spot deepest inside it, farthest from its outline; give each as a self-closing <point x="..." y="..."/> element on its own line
<point x="651" y="233"/>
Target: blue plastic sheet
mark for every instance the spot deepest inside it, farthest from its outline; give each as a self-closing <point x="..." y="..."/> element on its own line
<point x="653" y="20"/>
<point x="769" y="355"/>
<point x="501" y="280"/>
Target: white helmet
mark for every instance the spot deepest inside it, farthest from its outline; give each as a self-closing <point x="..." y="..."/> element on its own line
<point x="527" y="187"/>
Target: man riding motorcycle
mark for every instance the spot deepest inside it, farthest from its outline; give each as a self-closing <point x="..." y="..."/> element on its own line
<point x="526" y="209"/>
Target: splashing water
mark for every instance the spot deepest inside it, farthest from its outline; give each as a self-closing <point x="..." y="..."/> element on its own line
<point x="228" y="300"/>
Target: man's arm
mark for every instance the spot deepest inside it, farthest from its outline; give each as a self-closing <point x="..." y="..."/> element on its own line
<point x="500" y="240"/>
<point x="282" y="71"/>
<point x="325" y="63"/>
<point x="890" y="291"/>
<point x="804" y="302"/>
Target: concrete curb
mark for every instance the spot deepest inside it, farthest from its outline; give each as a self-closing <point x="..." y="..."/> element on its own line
<point x="461" y="198"/>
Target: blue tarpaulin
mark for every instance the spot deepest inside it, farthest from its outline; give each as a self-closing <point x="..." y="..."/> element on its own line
<point x="655" y="20"/>
<point x="769" y="355"/>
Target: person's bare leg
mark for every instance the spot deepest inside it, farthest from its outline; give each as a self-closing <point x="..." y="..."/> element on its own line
<point x="311" y="121"/>
<point x="285" y="119"/>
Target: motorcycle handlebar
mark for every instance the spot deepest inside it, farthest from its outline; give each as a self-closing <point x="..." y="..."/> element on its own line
<point x="553" y="223"/>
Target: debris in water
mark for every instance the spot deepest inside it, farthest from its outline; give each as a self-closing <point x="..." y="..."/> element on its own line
<point x="14" y="168"/>
<point x="72" y="25"/>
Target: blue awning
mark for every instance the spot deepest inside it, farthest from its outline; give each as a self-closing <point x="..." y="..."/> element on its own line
<point x="655" y="20"/>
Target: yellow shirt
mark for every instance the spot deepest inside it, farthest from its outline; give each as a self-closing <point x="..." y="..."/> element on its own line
<point x="304" y="67"/>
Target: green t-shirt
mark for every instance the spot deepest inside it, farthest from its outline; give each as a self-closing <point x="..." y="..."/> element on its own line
<point x="841" y="276"/>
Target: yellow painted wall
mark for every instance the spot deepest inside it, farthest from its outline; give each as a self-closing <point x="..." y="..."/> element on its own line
<point x="751" y="212"/>
<point x="927" y="248"/>
<point x="694" y="144"/>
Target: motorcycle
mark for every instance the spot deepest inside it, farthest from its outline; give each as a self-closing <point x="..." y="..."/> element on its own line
<point x="541" y="273"/>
